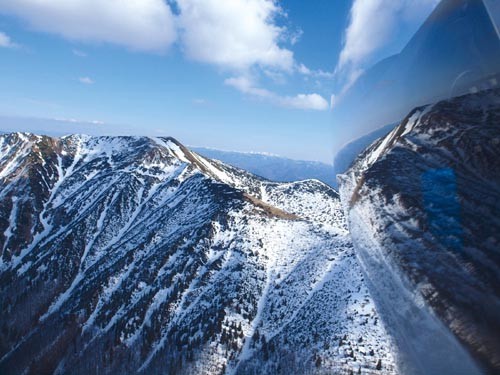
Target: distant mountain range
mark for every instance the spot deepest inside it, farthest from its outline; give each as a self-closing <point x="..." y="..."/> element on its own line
<point x="272" y="167"/>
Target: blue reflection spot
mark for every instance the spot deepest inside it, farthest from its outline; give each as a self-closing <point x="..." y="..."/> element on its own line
<point x="440" y="198"/>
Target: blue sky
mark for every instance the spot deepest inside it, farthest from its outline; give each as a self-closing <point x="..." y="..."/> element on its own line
<point x="246" y="75"/>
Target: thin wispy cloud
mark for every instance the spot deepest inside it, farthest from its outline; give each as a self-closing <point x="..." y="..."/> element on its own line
<point x="6" y="42"/>
<point x="86" y="80"/>
<point x="79" y="53"/>
<point x="78" y="121"/>
<point x="200" y="101"/>
<point x="302" y="69"/>
<point x="300" y="101"/>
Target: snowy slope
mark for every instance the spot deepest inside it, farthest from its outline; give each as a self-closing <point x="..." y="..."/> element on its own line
<point x="136" y="255"/>
<point x="423" y="210"/>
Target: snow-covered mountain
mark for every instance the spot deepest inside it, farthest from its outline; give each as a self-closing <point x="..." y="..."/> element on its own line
<point x="423" y="209"/>
<point x="273" y="167"/>
<point x="124" y="255"/>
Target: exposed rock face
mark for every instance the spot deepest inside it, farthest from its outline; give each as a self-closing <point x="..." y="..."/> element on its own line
<point x="134" y="255"/>
<point x="423" y="208"/>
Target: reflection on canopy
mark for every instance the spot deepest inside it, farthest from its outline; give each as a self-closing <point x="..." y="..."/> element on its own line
<point x="456" y="51"/>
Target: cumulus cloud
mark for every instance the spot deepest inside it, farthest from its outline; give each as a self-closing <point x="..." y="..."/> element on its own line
<point x="371" y="26"/>
<point x="236" y="35"/>
<point x="239" y="37"/>
<point x="5" y="41"/>
<point x="301" y="101"/>
<point x="302" y="69"/>
<point x="200" y="101"/>
<point x="86" y="80"/>
<point x="140" y="25"/>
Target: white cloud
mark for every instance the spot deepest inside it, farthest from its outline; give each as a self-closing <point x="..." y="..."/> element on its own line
<point x="200" y="101"/>
<point x="301" y="101"/>
<point x="78" y="121"/>
<point x="79" y="53"/>
<point x="304" y="70"/>
<point x="140" y="25"/>
<point x="277" y="77"/>
<point x="247" y="86"/>
<point x="237" y="34"/>
<point x="372" y="25"/>
<point x="5" y="41"/>
<point x="86" y="80"/>
<point x="304" y="101"/>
